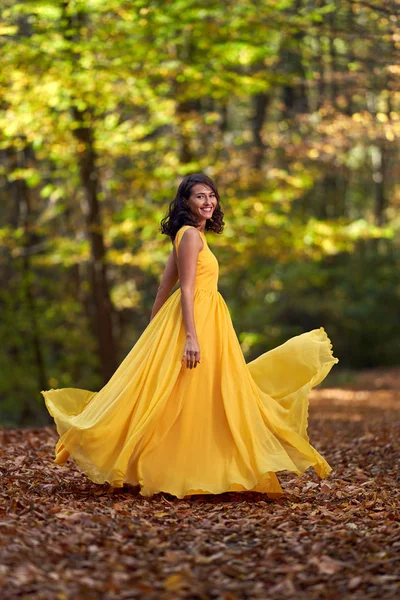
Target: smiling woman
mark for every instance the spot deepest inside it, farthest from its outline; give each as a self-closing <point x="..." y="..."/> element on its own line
<point x="184" y="413"/>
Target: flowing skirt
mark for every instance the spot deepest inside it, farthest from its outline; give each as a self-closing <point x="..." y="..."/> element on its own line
<point x="223" y="426"/>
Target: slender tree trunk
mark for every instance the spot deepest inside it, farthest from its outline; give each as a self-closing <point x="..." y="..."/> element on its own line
<point x="260" y="105"/>
<point x="333" y="63"/>
<point x="321" y="72"/>
<point x="102" y="321"/>
<point x="378" y="166"/>
<point x="24" y="210"/>
<point x="186" y="110"/>
<point x="294" y="93"/>
<point x="98" y="267"/>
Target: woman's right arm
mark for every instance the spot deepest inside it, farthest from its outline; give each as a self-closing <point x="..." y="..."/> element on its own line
<point x="188" y="252"/>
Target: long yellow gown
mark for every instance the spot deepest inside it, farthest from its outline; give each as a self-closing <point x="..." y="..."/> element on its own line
<point x="223" y="426"/>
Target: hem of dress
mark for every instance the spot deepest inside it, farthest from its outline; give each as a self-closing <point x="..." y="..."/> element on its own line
<point x="332" y="361"/>
<point x="119" y="482"/>
<point x="147" y="493"/>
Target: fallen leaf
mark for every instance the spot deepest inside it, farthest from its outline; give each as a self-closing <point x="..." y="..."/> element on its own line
<point x="174" y="583"/>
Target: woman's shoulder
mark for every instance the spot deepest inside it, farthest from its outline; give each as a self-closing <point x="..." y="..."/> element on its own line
<point x="182" y="230"/>
<point x="184" y="227"/>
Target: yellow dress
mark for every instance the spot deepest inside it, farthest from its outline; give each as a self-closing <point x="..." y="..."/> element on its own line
<point x="223" y="426"/>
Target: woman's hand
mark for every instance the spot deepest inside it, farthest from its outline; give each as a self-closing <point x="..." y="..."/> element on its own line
<point x="191" y="353"/>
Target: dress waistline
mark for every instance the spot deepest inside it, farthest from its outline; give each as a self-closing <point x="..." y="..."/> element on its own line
<point x="197" y="288"/>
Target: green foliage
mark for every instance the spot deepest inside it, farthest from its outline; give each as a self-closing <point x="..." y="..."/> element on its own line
<point x="293" y="107"/>
<point x="355" y="297"/>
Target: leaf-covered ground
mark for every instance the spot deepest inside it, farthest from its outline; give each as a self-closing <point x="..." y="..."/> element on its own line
<point x="62" y="537"/>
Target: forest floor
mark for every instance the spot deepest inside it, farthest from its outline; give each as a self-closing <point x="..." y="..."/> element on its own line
<point x="62" y="537"/>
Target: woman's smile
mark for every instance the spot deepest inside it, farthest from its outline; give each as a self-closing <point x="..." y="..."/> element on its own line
<point x="207" y="210"/>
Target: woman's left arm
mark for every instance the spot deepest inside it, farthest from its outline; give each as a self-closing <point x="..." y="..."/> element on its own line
<point x="168" y="280"/>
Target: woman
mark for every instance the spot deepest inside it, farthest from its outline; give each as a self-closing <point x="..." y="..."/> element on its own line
<point x="184" y="413"/>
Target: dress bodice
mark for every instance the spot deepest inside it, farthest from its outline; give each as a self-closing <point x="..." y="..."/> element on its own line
<point x="207" y="264"/>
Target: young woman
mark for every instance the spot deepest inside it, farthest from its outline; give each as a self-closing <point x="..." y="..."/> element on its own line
<point x="184" y="413"/>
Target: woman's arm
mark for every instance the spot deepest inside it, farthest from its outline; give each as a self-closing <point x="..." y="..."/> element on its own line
<point x="188" y="252"/>
<point x="168" y="280"/>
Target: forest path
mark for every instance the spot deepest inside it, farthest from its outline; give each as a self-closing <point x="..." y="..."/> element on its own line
<point x="62" y="537"/>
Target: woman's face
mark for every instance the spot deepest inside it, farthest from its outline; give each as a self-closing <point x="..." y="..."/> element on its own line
<point x="202" y="202"/>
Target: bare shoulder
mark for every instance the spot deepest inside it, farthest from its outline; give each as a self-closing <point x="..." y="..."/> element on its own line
<point x="190" y="239"/>
<point x="191" y="233"/>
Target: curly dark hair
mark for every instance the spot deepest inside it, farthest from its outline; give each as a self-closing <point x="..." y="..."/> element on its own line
<point x="179" y="213"/>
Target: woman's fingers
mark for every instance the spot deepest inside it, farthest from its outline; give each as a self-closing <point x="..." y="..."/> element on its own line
<point x="191" y="358"/>
<point x="186" y="359"/>
<point x="195" y="358"/>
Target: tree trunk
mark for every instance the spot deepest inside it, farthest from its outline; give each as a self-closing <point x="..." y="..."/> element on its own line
<point x="260" y="105"/>
<point x="98" y="269"/>
<point x="294" y="93"/>
<point x="185" y="110"/>
<point x="333" y="63"/>
<point x="73" y="20"/>
<point x="378" y="166"/>
<point x="23" y="204"/>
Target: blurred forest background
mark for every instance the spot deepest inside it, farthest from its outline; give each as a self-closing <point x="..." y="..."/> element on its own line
<point x="292" y="106"/>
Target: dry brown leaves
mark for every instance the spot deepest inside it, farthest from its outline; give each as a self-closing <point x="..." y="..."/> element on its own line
<point x="62" y="537"/>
